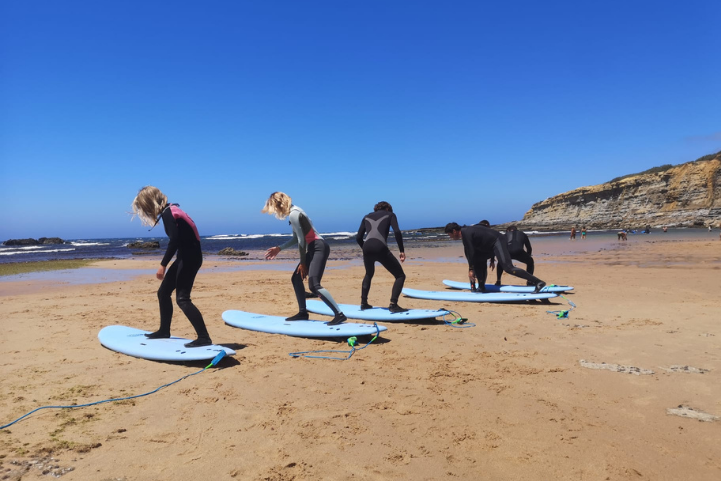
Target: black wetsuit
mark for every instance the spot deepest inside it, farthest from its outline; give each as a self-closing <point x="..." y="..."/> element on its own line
<point x="184" y="240"/>
<point x="481" y="243"/>
<point x="517" y="240"/>
<point x="375" y="249"/>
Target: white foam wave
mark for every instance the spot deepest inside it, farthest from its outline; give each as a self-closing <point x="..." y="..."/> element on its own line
<point x="339" y="235"/>
<point x="90" y="243"/>
<point x="13" y="252"/>
<point x="243" y="236"/>
<point x="27" y="248"/>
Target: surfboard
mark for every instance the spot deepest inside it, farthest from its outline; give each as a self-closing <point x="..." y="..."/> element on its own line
<point x="504" y="288"/>
<point x="131" y="341"/>
<point x="474" y="296"/>
<point x="310" y="328"/>
<point x="375" y="314"/>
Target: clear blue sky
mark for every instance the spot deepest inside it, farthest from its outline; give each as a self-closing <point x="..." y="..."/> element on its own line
<point x="449" y="110"/>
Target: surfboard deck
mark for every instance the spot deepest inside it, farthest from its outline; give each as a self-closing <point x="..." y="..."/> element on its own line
<point x="375" y="314"/>
<point x="452" y="296"/>
<point x="310" y="328"/>
<point x="131" y="341"/>
<point x="505" y="288"/>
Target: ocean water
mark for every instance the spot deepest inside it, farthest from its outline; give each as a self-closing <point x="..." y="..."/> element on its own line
<point x="548" y="243"/>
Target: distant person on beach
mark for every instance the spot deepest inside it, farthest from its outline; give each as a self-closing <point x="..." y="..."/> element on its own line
<point x="583" y="232"/>
<point x="152" y="206"/>
<point x="665" y="229"/>
<point x="479" y="243"/>
<point x="375" y="227"/>
<point x="573" y="233"/>
<point x="622" y="235"/>
<point x="516" y="241"/>
<point x="313" y="250"/>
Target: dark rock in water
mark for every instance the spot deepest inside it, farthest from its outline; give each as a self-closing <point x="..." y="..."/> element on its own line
<point x="144" y="245"/>
<point x="33" y="242"/>
<point x="51" y="240"/>
<point x="229" y="251"/>
<point x="20" y="242"/>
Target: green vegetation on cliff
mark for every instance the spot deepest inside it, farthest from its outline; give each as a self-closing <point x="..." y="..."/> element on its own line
<point x="661" y="168"/>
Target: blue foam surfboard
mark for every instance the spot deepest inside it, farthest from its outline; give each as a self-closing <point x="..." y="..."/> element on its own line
<point x="131" y="341"/>
<point x="376" y="313"/>
<point x="458" y="296"/>
<point x="310" y="328"/>
<point x="514" y="289"/>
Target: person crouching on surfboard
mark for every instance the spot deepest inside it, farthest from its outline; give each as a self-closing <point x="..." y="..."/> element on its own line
<point x="375" y="249"/>
<point x="313" y="250"/>
<point x="152" y="206"/>
<point x="479" y="243"/>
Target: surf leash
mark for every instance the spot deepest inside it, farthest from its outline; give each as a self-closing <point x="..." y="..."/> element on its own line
<point x="215" y="361"/>
<point x="456" y="319"/>
<point x="563" y="314"/>
<point x="351" y="341"/>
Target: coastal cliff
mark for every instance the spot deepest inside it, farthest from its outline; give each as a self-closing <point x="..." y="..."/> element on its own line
<point x="684" y="195"/>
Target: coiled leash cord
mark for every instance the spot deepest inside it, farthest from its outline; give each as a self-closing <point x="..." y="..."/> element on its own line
<point x="457" y="320"/>
<point x="215" y="361"/>
<point x="564" y="313"/>
<point x="352" y="342"/>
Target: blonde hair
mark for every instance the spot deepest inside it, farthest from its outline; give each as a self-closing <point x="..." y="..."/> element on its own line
<point x="149" y="204"/>
<point x="278" y="204"/>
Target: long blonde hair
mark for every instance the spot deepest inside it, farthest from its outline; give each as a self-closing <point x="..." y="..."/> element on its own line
<point x="149" y="204"/>
<point x="278" y="204"/>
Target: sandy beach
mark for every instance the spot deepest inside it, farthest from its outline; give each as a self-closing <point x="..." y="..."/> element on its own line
<point x="519" y="396"/>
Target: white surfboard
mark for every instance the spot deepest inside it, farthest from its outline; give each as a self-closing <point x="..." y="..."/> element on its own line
<point x="504" y="288"/>
<point x="376" y="313"/>
<point x="456" y="296"/>
<point x="278" y="325"/>
<point x="131" y="341"/>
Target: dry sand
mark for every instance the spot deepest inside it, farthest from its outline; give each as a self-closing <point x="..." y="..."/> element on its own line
<point x="515" y="397"/>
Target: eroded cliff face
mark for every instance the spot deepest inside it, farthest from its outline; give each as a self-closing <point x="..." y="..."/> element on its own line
<point x="685" y="195"/>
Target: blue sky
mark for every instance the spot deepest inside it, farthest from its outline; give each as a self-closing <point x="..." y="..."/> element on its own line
<point x="449" y="110"/>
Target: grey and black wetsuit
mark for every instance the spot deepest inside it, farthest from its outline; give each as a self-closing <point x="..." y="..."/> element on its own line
<point x="185" y="240"/>
<point x="314" y="252"/>
<point x="375" y="249"/>
<point x="516" y="241"/>
<point x="481" y="243"/>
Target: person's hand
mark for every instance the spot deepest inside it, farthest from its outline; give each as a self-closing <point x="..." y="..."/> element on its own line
<point x="302" y="270"/>
<point x="492" y="264"/>
<point x="271" y="253"/>
<point x="161" y="273"/>
<point x="403" y="256"/>
<point x="471" y="276"/>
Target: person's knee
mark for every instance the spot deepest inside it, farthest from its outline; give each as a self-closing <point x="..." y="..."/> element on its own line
<point x="164" y="294"/>
<point x="183" y="301"/>
<point x="314" y="284"/>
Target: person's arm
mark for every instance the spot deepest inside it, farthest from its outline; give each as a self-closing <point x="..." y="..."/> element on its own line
<point x="171" y="229"/>
<point x="527" y="243"/>
<point x="468" y="250"/>
<point x="397" y="232"/>
<point x="361" y="233"/>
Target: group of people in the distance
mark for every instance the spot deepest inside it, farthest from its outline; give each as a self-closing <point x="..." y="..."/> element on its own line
<point x="480" y="243"/>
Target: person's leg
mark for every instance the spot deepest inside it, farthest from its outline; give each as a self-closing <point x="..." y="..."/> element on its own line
<point x="185" y="280"/>
<point x="480" y="269"/>
<point x="389" y="261"/>
<point x="505" y="263"/>
<point x="499" y="274"/>
<point x="369" y="261"/>
<point x="300" y="296"/>
<point x="523" y="256"/>
<point x="316" y="267"/>
<point x="166" y="302"/>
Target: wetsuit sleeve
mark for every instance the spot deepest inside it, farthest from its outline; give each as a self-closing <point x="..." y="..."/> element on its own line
<point x="467" y="248"/>
<point x="397" y="232"/>
<point x="527" y="243"/>
<point x="361" y="233"/>
<point x="298" y="237"/>
<point x="171" y="229"/>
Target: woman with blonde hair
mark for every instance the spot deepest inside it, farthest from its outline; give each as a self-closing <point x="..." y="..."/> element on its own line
<point x="152" y="206"/>
<point x="313" y="250"/>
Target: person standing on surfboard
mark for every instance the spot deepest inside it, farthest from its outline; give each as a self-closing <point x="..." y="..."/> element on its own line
<point x="152" y="206"/>
<point x="375" y="249"/>
<point x="313" y="250"/>
<point x="516" y="241"/>
<point x="479" y="243"/>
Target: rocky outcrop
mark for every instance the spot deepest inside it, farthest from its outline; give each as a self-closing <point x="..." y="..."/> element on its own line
<point x="144" y="245"/>
<point x="229" y="251"/>
<point x="33" y="242"/>
<point x="682" y="196"/>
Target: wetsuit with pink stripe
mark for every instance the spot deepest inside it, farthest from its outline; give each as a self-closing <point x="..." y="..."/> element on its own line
<point x="314" y="252"/>
<point x="180" y="276"/>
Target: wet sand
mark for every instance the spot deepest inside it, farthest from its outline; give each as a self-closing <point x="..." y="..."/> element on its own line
<point x="523" y="395"/>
